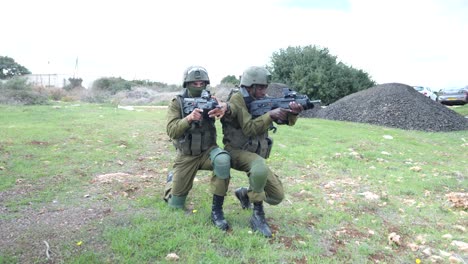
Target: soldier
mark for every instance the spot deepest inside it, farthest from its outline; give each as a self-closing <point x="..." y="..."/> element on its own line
<point x="194" y="137"/>
<point x="246" y="139"/>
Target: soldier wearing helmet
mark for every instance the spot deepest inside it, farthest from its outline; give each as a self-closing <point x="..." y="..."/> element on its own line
<point x="247" y="141"/>
<point x="196" y="147"/>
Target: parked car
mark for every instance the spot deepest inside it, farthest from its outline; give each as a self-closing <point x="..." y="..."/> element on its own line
<point x="427" y="92"/>
<point x="452" y="96"/>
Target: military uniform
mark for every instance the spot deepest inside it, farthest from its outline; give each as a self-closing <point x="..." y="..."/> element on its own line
<point x="194" y="144"/>
<point x="193" y="133"/>
<point x="247" y="141"/>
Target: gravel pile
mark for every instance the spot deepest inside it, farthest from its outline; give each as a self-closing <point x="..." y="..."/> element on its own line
<point x="393" y="105"/>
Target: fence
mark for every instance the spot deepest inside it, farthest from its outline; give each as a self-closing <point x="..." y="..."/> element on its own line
<point x="48" y="80"/>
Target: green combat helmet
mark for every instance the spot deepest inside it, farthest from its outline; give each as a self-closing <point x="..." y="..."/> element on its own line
<point x="255" y="75"/>
<point x="195" y="73"/>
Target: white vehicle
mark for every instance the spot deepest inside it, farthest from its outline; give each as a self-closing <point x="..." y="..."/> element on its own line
<point x="427" y="92"/>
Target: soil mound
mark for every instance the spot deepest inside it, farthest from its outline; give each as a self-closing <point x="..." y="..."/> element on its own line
<point x="393" y="105"/>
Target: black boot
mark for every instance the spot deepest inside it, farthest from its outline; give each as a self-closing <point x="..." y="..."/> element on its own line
<point x="258" y="221"/>
<point x="217" y="215"/>
<point x="241" y="194"/>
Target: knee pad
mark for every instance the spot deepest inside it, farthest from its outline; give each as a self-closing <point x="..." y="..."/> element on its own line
<point x="221" y="162"/>
<point x="258" y="175"/>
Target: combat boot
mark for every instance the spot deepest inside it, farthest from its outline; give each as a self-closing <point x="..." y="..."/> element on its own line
<point x="241" y="194"/>
<point x="217" y="215"/>
<point x="258" y="221"/>
<point x="177" y="202"/>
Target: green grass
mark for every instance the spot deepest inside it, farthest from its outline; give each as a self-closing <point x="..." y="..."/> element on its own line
<point x="51" y="156"/>
<point x="462" y="110"/>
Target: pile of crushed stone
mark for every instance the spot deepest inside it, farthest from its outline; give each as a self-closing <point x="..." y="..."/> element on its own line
<point x="393" y="105"/>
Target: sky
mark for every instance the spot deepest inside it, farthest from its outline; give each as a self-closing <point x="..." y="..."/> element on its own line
<point x="415" y="42"/>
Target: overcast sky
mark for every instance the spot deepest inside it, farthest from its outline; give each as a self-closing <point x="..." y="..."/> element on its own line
<point x="416" y="42"/>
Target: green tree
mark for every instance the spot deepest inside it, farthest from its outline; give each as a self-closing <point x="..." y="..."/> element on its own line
<point x="315" y="72"/>
<point x="231" y="79"/>
<point x="9" y="68"/>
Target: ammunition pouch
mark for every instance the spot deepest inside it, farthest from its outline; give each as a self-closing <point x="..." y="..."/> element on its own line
<point x="260" y="145"/>
<point x="198" y="138"/>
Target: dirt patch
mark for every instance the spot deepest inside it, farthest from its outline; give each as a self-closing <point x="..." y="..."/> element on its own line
<point x="51" y="232"/>
<point x="39" y="143"/>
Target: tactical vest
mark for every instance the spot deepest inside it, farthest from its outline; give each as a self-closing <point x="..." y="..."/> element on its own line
<point x="233" y="135"/>
<point x="197" y="138"/>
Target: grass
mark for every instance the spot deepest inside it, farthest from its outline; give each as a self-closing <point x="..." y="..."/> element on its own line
<point x="462" y="110"/>
<point x="348" y="187"/>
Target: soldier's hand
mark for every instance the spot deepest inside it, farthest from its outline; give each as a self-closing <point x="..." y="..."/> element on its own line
<point x="296" y="108"/>
<point x="279" y="114"/>
<point x="219" y="111"/>
<point x="195" y="115"/>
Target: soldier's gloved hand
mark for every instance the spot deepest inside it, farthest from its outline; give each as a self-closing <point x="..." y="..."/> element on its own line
<point x="279" y="114"/>
<point x="195" y="115"/>
<point x="295" y="108"/>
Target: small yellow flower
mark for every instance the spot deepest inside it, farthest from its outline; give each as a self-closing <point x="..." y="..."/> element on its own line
<point x="418" y="261"/>
<point x="79" y="243"/>
<point x="194" y="211"/>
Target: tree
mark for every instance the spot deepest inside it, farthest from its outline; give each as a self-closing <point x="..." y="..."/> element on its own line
<point x="9" y="68"/>
<point x="316" y="73"/>
<point x="231" y="79"/>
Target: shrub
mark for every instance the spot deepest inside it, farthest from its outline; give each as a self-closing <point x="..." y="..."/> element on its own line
<point x="96" y="96"/>
<point x="56" y="93"/>
<point x="18" y="91"/>
<point x="74" y="83"/>
<point x="141" y="96"/>
<point x="17" y="83"/>
<point x="112" y="85"/>
<point x="22" y="97"/>
<point x="314" y="71"/>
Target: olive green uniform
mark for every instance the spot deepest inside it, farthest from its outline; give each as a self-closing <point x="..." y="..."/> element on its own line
<point x="246" y="139"/>
<point x="194" y="144"/>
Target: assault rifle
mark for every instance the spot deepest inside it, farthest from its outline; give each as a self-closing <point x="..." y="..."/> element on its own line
<point x="205" y="102"/>
<point x="262" y="106"/>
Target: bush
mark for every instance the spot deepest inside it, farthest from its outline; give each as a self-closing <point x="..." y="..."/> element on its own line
<point x="56" y="94"/>
<point x="17" y="83"/>
<point x="111" y="85"/>
<point x="96" y="96"/>
<point x="74" y="83"/>
<point x="142" y="96"/>
<point x="18" y="91"/>
<point x="314" y="71"/>
<point x="22" y="97"/>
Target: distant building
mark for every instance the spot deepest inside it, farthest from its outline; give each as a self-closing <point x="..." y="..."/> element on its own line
<point x="48" y="80"/>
